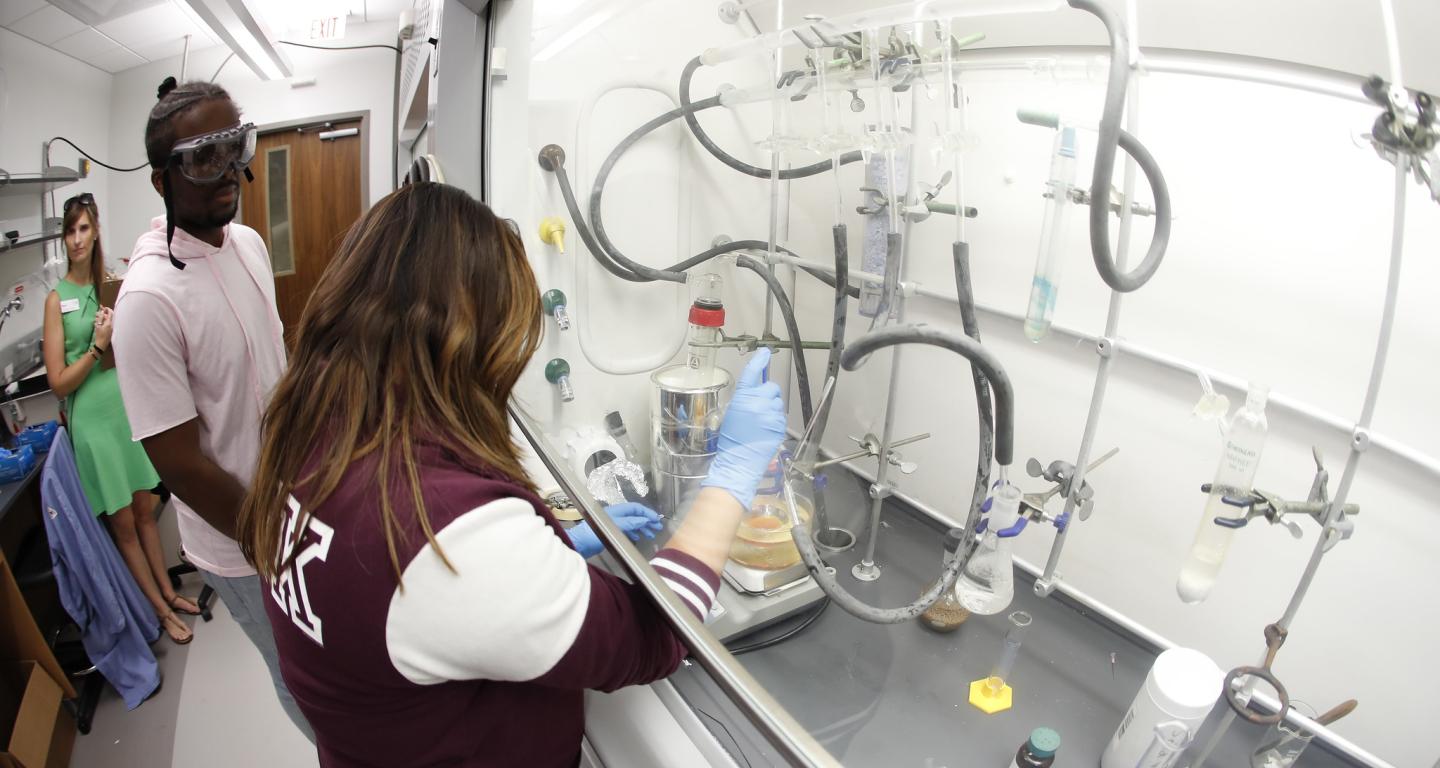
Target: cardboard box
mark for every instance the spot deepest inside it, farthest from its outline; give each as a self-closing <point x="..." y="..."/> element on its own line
<point x="20" y="636"/>
<point x="35" y="731"/>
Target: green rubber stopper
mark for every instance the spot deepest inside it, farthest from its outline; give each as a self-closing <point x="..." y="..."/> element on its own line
<point x="1037" y="117"/>
<point x="556" y="369"/>
<point x="551" y="299"/>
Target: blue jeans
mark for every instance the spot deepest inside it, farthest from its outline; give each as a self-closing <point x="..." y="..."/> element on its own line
<point x="244" y="598"/>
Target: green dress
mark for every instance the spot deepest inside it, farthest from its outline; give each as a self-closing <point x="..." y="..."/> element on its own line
<point x="112" y="466"/>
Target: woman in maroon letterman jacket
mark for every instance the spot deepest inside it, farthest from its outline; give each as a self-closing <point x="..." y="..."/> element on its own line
<point x="427" y="608"/>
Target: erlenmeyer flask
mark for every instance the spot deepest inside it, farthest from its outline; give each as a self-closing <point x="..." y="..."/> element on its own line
<point x="947" y="614"/>
<point x="987" y="585"/>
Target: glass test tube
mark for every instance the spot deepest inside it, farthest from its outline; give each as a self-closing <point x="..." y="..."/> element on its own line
<point x="1019" y="622"/>
<point x="1045" y="287"/>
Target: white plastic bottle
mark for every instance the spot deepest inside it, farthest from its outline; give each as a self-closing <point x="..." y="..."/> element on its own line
<point x="1244" y="441"/>
<point x="987" y="585"/>
<point x="1178" y="694"/>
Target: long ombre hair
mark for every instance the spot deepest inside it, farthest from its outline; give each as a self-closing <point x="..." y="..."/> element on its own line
<point x="419" y="328"/>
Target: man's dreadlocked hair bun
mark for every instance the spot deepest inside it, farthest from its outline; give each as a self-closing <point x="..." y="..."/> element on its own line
<point x="174" y="99"/>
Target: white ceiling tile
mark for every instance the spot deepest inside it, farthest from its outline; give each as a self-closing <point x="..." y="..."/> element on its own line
<point x="183" y="8"/>
<point x="12" y="11"/>
<point x="151" y="26"/>
<point x="95" y="12"/>
<point x="47" y="25"/>
<point x="86" y="42"/>
<point x="376" y="10"/>
<point x="114" y="60"/>
<point x="165" y="50"/>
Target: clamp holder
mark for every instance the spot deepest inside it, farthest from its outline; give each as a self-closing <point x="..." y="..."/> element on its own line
<point x="1407" y="126"/>
<point x="1081" y="196"/>
<point x="1062" y="474"/>
<point x="870" y="446"/>
<point x="1274" y="508"/>
<point x="1274" y="638"/>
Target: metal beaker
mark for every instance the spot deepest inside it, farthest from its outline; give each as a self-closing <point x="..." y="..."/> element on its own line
<point x="685" y="417"/>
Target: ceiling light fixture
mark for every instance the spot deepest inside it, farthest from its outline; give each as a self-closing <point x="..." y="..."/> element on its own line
<point x="243" y="30"/>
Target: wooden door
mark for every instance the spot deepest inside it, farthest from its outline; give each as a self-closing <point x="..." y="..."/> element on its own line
<point x="305" y="196"/>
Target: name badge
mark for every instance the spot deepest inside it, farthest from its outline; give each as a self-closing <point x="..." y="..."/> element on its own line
<point x="69" y="305"/>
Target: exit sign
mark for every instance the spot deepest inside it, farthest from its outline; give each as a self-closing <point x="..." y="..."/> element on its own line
<point x="328" y="27"/>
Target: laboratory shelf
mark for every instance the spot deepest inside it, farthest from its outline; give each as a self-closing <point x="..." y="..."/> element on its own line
<point x="896" y="695"/>
<point x="22" y="185"/>
<point x="27" y="241"/>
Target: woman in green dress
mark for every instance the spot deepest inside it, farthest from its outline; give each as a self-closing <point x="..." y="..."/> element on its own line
<point x="114" y="470"/>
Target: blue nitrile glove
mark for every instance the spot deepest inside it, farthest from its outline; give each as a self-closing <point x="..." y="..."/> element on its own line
<point x="635" y="520"/>
<point x="750" y="434"/>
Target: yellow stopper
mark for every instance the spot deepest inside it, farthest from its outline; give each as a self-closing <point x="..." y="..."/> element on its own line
<point x="552" y="231"/>
<point x="990" y="695"/>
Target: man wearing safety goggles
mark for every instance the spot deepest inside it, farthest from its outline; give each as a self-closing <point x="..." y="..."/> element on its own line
<point x="199" y="342"/>
<point x="200" y="182"/>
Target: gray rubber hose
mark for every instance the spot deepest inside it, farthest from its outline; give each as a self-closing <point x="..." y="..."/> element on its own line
<point x="787" y="313"/>
<point x="960" y="251"/>
<point x="1004" y="400"/>
<point x="785" y="174"/>
<point x="979" y="356"/>
<point x="1105" y="149"/>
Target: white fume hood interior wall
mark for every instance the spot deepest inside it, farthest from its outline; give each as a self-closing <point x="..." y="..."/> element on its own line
<point x="1275" y="273"/>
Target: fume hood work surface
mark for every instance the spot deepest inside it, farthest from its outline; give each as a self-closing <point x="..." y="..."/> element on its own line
<point x="896" y="695"/>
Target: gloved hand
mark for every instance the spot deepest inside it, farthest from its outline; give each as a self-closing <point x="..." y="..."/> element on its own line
<point x="635" y="520"/>
<point x="750" y="434"/>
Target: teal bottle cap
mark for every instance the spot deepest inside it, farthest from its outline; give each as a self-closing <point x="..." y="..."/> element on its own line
<point x="1044" y="742"/>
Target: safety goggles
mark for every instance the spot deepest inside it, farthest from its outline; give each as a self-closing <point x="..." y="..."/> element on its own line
<point x="84" y="198"/>
<point x="205" y="158"/>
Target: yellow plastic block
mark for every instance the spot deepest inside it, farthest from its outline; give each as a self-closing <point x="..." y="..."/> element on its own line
<point x="987" y="702"/>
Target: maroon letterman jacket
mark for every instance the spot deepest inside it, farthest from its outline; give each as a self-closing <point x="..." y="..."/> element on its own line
<point x="482" y="665"/>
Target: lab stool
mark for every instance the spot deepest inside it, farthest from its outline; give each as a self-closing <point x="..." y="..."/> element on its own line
<point x="33" y="568"/>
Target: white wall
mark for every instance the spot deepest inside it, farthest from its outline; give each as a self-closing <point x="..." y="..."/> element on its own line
<point x="346" y="81"/>
<point x="44" y="94"/>
<point x="1276" y="272"/>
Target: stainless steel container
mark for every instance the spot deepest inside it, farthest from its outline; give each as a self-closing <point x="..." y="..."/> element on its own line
<point x="685" y="413"/>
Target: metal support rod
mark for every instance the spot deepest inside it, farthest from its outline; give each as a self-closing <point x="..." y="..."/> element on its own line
<point x="863" y="454"/>
<point x="855" y="275"/>
<point x="185" y="59"/>
<point x="1359" y="441"/>
<point x="1106" y="348"/>
<point x="1377" y="372"/>
<point x="776" y="126"/>
<point x="880" y="489"/>
<point x="750" y="343"/>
